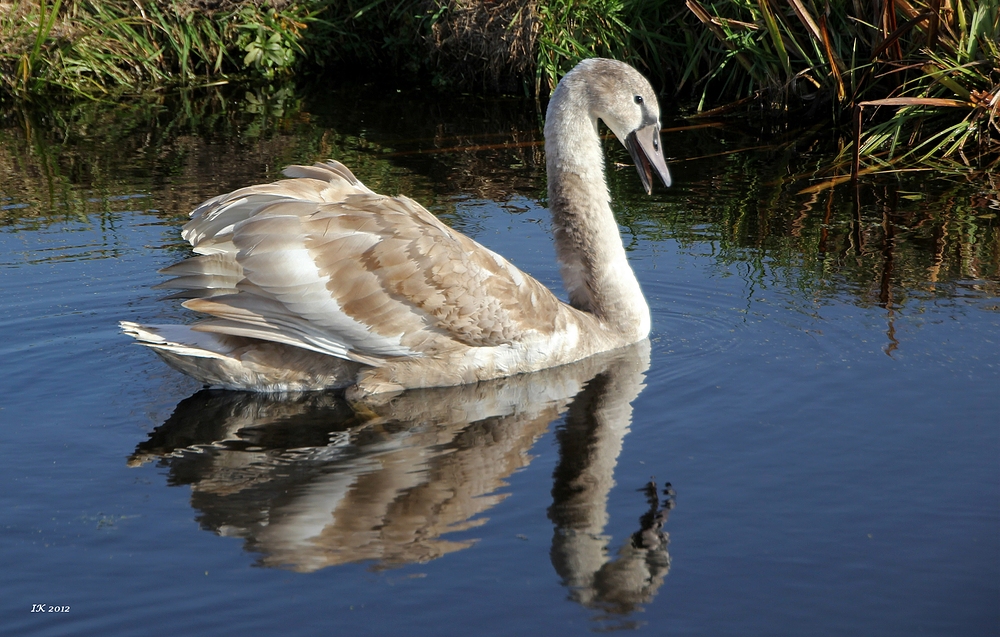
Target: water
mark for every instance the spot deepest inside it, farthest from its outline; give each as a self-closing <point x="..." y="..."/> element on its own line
<point x="820" y="390"/>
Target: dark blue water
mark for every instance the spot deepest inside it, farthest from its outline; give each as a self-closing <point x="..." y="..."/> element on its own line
<point x="834" y="456"/>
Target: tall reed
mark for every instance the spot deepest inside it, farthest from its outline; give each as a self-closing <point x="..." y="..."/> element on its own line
<point x="919" y="78"/>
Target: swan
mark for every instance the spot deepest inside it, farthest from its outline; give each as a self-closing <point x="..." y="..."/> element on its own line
<point x="316" y="282"/>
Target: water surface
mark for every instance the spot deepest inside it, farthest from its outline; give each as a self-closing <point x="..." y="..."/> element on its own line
<point x="820" y="391"/>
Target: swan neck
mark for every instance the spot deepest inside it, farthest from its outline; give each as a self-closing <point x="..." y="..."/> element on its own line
<point x="588" y="243"/>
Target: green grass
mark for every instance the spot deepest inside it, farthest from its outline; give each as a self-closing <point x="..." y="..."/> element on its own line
<point x="91" y="48"/>
<point x="924" y="79"/>
<point x="573" y="30"/>
<point x="906" y="81"/>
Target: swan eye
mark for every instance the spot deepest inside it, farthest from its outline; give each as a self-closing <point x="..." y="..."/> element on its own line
<point x="638" y="99"/>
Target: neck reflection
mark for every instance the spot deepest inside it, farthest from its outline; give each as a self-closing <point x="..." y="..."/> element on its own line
<point x="589" y="444"/>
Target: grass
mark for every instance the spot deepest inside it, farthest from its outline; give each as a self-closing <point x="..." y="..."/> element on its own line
<point x="907" y="81"/>
<point x="573" y="30"/>
<point x="918" y="79"/>
<point x="90" y="48"/>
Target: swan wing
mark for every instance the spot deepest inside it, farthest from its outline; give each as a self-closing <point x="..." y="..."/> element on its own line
<point x="211" y="227"/>
<point x="333" y="267"/>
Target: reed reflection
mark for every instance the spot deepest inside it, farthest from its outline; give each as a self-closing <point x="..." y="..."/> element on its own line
<point x="310" y="481"/>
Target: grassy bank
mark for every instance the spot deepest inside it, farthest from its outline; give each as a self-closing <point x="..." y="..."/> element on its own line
<point x="906" y="80"/>
<point x="97" y="48"/>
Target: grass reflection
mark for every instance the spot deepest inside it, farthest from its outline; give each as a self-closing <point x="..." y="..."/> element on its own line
<point x="892" y="237"/>
<point x="750" y="193"/>
<point x="74" y="164"/>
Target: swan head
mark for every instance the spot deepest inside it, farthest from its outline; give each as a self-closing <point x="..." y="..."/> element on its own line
<point x="624" y="100"/>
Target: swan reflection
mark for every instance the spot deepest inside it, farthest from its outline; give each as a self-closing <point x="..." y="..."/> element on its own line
<point x="311" y="481"/>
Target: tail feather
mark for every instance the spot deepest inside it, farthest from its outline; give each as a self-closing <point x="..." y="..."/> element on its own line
<point x="249" y="354"/>
<point x="235" y="362"/>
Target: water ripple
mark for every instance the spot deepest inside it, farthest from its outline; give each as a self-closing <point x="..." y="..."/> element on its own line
<point x="693" y="322"/>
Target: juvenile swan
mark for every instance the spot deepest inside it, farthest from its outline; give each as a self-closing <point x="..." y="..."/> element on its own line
<point x="317" y="282"/>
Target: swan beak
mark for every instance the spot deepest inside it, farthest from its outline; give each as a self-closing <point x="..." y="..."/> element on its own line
<point x="644" y="146"/>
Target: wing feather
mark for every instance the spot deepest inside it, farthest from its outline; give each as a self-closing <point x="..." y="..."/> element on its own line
<point x="320" y="262"/>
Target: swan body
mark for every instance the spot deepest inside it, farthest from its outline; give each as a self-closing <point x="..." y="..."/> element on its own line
<point x="316" y="282"/>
